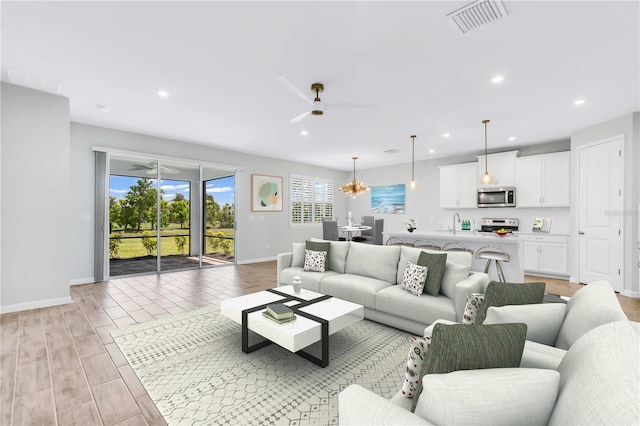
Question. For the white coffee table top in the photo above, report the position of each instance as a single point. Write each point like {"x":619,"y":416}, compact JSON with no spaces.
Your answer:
{"x":302,"y":332}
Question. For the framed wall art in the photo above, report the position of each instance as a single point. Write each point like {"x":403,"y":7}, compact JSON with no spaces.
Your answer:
{"x":266,"y":193}
{"x":388,"y":199}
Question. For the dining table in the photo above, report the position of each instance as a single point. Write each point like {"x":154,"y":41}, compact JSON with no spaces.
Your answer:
{"x":349,"y":231}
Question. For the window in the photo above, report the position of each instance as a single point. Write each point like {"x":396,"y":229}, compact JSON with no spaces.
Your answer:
{"x":311,"y":200}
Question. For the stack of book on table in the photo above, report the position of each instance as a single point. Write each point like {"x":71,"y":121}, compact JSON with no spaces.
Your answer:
{"x":279,"y":313}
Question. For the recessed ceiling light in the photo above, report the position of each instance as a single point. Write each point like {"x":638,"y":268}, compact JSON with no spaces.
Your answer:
{"x":102,"y":108}
{"x":163,"y":93}
{"x":512,"y":138}
{"x":579,"y":102}
{"x":445,"y":135}
{"x":431,"y":151}
{"x":497,"y":79}
{"x":304,"y":133}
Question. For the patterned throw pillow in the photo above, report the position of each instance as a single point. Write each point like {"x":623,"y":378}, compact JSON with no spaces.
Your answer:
{"x":417,"y":351}
{"x":414,"y":278}
{"x":314,"y":260}
{"x":474,"y":300}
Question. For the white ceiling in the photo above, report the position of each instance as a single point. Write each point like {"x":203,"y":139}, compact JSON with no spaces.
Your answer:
{"x":220,"y":63}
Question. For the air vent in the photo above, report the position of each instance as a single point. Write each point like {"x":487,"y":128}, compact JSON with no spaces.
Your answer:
{"x":477,"y":14}
{"x":391,"y":151}
{"x":34,"y":82}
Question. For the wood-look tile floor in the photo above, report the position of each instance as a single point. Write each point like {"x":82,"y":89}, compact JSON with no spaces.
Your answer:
{"x":59,"y":365}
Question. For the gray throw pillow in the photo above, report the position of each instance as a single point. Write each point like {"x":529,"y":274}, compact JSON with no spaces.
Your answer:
{"x":464,"y":347}
{"x":502,"y":294}
{"x":320,"y":246}
{"x":435,"y":264}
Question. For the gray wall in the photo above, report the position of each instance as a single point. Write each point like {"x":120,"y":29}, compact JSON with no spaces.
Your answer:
{"x":35,"y":199}
{"x":261,"y":236}
{"x":629,"y":126}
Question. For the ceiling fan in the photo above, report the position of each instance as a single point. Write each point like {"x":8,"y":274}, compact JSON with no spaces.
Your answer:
{"x":152,"y":168}
{"x":317,"y":106}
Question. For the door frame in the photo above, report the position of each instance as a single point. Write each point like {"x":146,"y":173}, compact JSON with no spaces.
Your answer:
{"x":620,"y":206}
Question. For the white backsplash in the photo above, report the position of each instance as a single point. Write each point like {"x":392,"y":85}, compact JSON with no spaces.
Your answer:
{"x":560,"y":219}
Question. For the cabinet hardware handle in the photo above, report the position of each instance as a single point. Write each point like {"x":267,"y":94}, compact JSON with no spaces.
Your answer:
{"x":580,"y":233}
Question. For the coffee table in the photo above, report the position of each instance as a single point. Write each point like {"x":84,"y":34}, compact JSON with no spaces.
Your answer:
{"x":317,"y":317}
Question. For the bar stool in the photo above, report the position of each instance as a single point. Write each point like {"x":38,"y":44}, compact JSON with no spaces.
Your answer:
{"x":493,"y":253}
{"x":395,"y":241}
{"x":456,"y":246}
{"x":426,"y":244}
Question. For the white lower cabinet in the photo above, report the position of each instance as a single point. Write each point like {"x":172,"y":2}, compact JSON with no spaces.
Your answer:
{"x":547,"y":254}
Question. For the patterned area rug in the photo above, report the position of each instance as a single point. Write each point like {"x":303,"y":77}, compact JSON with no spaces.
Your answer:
{"x":194,"y":370}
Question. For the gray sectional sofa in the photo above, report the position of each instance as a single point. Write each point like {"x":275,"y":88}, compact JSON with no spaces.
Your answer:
{"x":587,"y":371}
{"x":370,"y":275}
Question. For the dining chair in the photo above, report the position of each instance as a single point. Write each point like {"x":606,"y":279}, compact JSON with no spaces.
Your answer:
{"x":330,"y":230}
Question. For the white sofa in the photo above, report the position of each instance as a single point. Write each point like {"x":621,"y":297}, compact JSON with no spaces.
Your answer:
{"x":589,"y":375}
{"x":370,"y":275}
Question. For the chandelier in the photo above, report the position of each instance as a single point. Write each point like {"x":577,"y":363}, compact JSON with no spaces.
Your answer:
{"x":354,"y":188}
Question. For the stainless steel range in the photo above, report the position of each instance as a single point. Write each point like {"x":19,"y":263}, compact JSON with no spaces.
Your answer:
{"x":494,"y":224}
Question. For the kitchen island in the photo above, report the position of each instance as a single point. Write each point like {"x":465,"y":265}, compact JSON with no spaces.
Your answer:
{"x":510,"y":244}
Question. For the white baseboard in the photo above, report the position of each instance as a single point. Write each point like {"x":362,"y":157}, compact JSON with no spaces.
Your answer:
{"x":78,"y":281}
{"x":629,"y":293}
{"x":35,"y":305}
{"x":264,"y":259}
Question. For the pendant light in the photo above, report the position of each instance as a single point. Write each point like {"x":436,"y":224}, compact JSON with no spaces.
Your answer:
{"x":413,"y":162}
{"x":486,"y":178}
{"x":353,"y":188}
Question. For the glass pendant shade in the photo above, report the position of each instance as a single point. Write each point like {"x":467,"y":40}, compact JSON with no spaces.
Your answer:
{"x":354,"y":188}
{"x":486,"y":179}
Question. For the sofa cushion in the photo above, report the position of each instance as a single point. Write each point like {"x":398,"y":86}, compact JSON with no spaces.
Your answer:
{"x":297,"y":258}
{"x":462,"y":347}
{"x":310,"y":280}
{"x":600,"y":378}
{"x":503,"y":396}
{"x":412,"y":254}
{"x":380,"y":262}
{"x":425,"y":309}
{"x":537,"y":355}
{"x":501,"y":294}
{"x":543,"y":319}
{"x":453,"y":274}
{"x":355,"y":288}
{"x":436,"y":264}
{"x":591,"y":306}
{"x":321,"y":247}
{"x":337,"y":254}
{"x":414,"y":278}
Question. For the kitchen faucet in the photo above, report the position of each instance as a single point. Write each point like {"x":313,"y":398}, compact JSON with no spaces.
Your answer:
{"x":454,"y":222}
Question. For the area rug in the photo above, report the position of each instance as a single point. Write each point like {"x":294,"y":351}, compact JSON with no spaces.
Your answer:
{"x":195,"y":372}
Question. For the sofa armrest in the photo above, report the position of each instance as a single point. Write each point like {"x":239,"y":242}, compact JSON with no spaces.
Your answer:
{"x":283,"y":261}
{"x":359,"y":406}
{"x":476,"y":282}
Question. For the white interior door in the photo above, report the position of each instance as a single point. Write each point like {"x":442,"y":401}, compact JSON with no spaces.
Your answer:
{"x":600,"y":207}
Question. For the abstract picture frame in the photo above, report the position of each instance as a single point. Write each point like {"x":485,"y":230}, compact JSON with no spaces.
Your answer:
{"x":266,"y":193}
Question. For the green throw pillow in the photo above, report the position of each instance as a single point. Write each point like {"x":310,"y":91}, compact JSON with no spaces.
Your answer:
{"x":472,"y":347}
{"x":502,"y":294}
{"x":320,"y":246}
{"x":435,"y":264}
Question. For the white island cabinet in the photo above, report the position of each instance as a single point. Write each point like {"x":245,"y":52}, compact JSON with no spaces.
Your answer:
{"x":511,"y":244}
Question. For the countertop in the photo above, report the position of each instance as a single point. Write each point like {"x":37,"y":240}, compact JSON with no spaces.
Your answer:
{"x":485,"y":237}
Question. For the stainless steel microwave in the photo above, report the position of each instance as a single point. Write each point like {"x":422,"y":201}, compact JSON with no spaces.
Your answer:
{"x":497,"y":197}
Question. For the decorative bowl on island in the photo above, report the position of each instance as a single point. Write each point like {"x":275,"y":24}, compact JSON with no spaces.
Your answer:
{"x":501,"y":232}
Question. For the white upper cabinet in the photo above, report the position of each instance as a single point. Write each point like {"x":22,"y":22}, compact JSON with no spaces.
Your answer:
{"x":543,"y":180}
{"x":458,"y":189}
{"x":501,"y":166}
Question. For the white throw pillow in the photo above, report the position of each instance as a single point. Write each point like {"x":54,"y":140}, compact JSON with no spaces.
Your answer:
{"x":543,"y":319}
{"x":314,"y":260}
{"x":414,"y":278}
{"x":415,"y":359}
{"x":495,"y":396}
{"x":474,"y":300}
{"x":297,"y":258}
{"x":453,"y":274}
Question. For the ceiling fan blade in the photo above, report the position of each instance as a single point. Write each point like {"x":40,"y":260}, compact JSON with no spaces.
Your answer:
{"x":334,"y":105}
{"x":300,"y":117}
{"x":293,"y":89}
{"x":140,"y":167}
